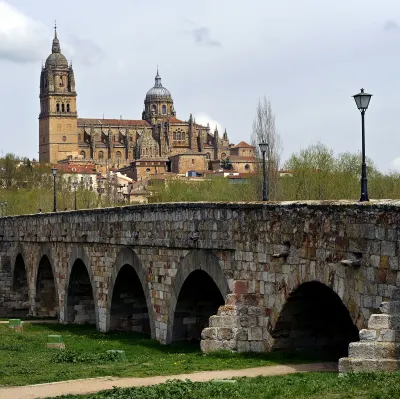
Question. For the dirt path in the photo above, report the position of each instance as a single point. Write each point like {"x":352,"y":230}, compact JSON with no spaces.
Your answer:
{"x":91,"y":385}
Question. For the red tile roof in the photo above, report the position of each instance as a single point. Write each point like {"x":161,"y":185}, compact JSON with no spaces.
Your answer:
{"x":243,"y":144}
{"x":80,"y":169}
{"x":112,"y":122}
{"x":175,"y":120}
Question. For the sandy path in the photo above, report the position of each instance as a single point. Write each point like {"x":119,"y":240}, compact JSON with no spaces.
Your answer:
{"x":90,"y":385}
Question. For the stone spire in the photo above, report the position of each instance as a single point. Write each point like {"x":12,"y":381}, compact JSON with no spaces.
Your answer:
{"x":55,"y":48}
{"x":158,"y":80}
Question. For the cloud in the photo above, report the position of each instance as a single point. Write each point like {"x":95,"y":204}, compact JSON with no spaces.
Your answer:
{"x":395,"y":164}
{"x":202,"y":37}
{"x":202,"y":119}
{"x":84,"y":51}
{"x":390,"y":25}
{"x":22,"y":39}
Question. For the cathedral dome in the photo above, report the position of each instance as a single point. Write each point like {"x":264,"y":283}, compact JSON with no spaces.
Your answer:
{"x":158,"y":92}
{"x":56,"y":59}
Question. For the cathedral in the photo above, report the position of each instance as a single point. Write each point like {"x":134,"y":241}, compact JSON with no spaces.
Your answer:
{"x":158,"y":139}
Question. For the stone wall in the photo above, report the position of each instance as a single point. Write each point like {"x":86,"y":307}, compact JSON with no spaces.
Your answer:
{"x":257,"y":256}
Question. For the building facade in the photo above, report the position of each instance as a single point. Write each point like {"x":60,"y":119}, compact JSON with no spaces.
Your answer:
{"x":117,"y":142}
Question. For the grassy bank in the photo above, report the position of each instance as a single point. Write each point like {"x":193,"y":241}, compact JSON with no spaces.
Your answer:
{"x":295,"y":386}
{"x":24,"y":358}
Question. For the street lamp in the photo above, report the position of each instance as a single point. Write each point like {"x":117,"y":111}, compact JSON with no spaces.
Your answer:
{"x":264,"y":149}
{"x":362,"y":101}
{"x":75,"y":183}
{"x":54,"y":170}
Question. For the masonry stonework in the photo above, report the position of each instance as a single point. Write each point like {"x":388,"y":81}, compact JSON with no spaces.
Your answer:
{"x":243,"y":277}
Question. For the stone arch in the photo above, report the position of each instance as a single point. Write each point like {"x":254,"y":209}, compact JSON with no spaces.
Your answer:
{"x":196,"y":260}
{"x":314,"y":319}
{"x":46,"y":299}
{"x":128,"y":257}
{"x":80,"y":260}
{"x":20,"y":284}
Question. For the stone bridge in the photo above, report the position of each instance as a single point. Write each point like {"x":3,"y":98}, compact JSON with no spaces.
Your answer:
{"x":238,"y":276}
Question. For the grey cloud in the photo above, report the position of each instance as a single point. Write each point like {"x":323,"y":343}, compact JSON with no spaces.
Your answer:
{"x":202,"y":37}
{"x":390,"y":25}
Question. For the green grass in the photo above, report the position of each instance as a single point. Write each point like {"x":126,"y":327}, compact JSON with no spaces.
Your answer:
{"x":295,"y":386}
{"x":24,"y":358}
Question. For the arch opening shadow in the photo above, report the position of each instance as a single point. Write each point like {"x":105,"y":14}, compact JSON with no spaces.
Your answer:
{"x":315,"y":321}
{"x":46,"y":295}
{"x":80,"y":300}
{"x":20,"y":290}
{"x":128,"y":305}
{"x":198,"y":299}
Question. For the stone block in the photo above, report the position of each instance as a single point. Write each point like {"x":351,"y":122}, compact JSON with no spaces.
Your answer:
{"x":391,"y":307}
{"x":374,"y":350}
{"x":389,"y":336}
{"x":349,"y":365}
{"x":384,"y":321}
{"x":255,"y":334}
{"x":257,"y":346}
{"x":243,"y":346}
{"x":221,"y":321}
{"x":207,"y":346}
{"x":224,"y":334}
{"x":209,"y":333}
{"x":367,"y":335}
{"x":240,"y":287}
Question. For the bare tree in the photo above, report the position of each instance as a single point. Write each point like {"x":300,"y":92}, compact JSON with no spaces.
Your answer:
{"x":264,"y":130}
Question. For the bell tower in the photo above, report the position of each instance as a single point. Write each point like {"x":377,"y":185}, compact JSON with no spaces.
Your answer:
{"x":58,"y":118}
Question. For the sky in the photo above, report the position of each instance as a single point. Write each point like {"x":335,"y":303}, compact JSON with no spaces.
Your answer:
{"x":217,"y":58}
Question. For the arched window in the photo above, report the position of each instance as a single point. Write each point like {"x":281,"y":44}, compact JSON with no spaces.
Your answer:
{"x":208,"y":155}
{"x":223,"y":155}
{"x":247,"y":166}
{"x":62,"y":108}
{"x":67,"y":107}
{"x":101,"y":155}
{"x":183,"y":136}
{"x":174,"y":136}
{"x":178,"y":136}
{"x":58,"y":107}
{"x":118,"y":154}
{"x":192,"y":161}
{"x":83,"y":154}
{"x":61,"y":81}
{"x":164,"y":109}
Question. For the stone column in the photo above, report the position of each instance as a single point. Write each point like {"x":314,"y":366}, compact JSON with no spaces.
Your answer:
{"x":379,"y":346}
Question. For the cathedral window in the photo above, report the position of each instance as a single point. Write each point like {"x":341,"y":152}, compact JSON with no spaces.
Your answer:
{"x":83,"y":154}
{"x":101,"y":155}
{"x":58,"y":107}
{"x":164,"y":109}
{"x":67,"y":107}
{"x":62,"y":107}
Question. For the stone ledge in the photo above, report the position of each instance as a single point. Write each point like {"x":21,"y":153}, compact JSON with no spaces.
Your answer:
{"x":349,"y":365}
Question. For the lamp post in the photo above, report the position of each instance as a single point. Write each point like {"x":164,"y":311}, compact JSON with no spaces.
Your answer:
{"x":75,"y":183}
{"x":362,"y":101}
{"x":54,"y":171}
{"x":264,"y":149}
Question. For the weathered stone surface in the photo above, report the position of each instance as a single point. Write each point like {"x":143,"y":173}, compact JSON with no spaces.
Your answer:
{"x":234,"y":244}
{"x":384,"y":321}
{"x":367,"y":335}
